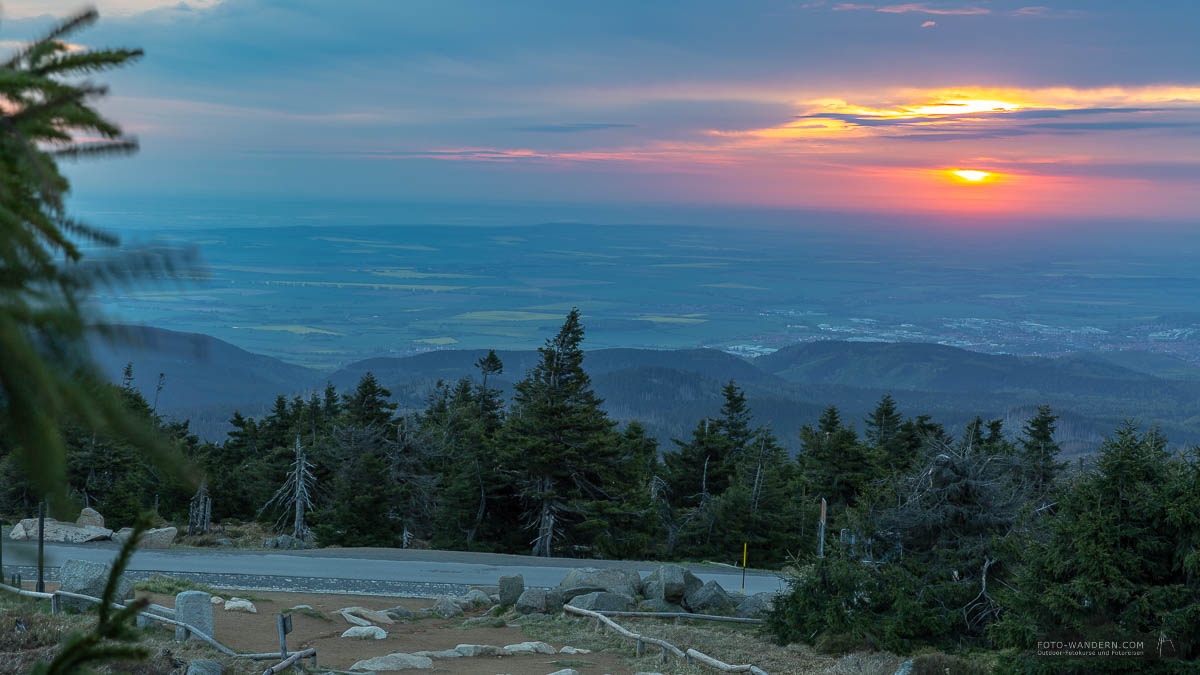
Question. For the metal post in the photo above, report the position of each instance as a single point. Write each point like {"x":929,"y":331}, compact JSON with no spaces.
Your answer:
{"x":744,"y":546}
{"x":41,"y":583}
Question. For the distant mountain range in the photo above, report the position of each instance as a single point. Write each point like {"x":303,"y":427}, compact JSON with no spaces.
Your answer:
{"x":206,"y":379}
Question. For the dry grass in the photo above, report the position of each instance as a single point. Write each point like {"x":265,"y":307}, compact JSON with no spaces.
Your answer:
{"x":731,"y":643}
{"x":29,"y":634}
{"x":243,"y":535}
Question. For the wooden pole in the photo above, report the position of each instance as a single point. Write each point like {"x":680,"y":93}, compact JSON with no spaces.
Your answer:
{"x":821,"y":532}
{"x":289,"y":661}
{"x":41,"y":582}
{"x":744,"y":547}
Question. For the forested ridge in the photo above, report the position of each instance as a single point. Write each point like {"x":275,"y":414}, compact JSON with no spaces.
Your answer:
{"x":984,"y":539}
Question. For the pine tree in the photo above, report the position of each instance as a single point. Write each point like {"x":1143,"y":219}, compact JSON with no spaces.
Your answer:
{"x":834,"y":462}
{"x":1039,"y":451}
{"x":559,"y":444}
{"x":368,"y":405}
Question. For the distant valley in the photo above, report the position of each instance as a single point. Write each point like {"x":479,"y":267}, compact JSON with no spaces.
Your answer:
{"x":205,"y":379}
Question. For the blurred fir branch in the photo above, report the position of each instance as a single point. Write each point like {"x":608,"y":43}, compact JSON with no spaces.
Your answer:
{"x":115,"y":630}
{"x":46,"y":376}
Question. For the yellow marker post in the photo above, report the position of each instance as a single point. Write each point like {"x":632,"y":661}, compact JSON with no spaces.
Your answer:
{"x":743,"y":568}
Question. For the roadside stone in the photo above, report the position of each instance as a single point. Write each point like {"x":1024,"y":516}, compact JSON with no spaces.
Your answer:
{"x":565,"y":671}
{"x":511,"y":588}
{"x":574,"y":650}
{"x":485,"y":588}
{"x":240,"y":605}
{"x":159,"y":537}
{"x":356,"y":620}
{"x":89,"y":516}
{"x":671,"y":583}
{"x":365,"y":633}
{"x":534,"y":600}
{"x":400,"y":613}
{"x":89,"y":578}
{"x":657,"y":605}
{"x":446,"y":608}
{"x":530,"y":648}
{"x":205,"y":667}
{"x":299,"y":607}
{"x":473,"y":599}
{"x":217,"y":600}
{"x":370,"y":615}
{"x":122,"y":535}
{"x":755,"y":605}
{"x":709,"y":598}
{"x":194,"y":608}
{"x":584,"y":580}
{"x":479,"y":650}
{"x":603,"y":601}
{"x":397,"y":661}
{"x":287,"y":542}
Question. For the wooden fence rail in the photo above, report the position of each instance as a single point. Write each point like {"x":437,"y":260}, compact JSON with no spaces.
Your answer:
{"x":690,"y":656}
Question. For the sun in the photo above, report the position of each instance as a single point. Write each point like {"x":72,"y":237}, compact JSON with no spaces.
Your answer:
{"x":972,"y":176}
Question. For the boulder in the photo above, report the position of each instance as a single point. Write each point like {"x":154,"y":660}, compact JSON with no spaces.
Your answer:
{"x":446,"y":608}
{"x":479,"y":650}
{"x":365,"y":633}
{"x":565,"y":671}
{"x":474,"y":599}
{"x":194,"y":608}
{"x":55,"y":531}
{"x":574,"y":650}
{"x":400,"y":613}
{"x":538,"y":600}
{"x":511,"y":588}
{"x":299,"y":607}
{"x":656,"y":605}
{"x":368,"y":614}
{"x":530,"y":648}
{"x":217,"y":600}
{"x":89,"y":578}
{"x":755,"y":605}
{"x":90,"y":517}
{"x":205,"y":667}
{"x":394,"y":662}
{"x":240,"y":605}
{"x":122,"y":535}
{"x":159,"y":537}
{"x":671,"y":583}
{"x":709,"y":598}
{"x":590,"y":579}
{"x":602,"y":601}
{"x":356,"y":620}
{"x":440,"y":654}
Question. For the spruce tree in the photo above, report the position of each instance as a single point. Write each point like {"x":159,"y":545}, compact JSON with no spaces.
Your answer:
{"x":559,"y":445}
{"x":1039,"y":452}
{"x":369,"y":404}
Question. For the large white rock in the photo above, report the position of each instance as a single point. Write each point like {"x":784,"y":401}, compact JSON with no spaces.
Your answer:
{"x":240,"y":605}
{"x":580,"y":581}
{"x":566,"y":671}
{"x":446,"y":608}
{"x":369,"y":615}
{"x":530,"y":648}
{"x":574,"y":650}
{"x":91,"y":517}
{"x":59,"y":532}
{"x":474,"y":598}
{"x":365,"y":633}
{"x":160,"y":537}
{"x":356,"y":620}
{"x":395,"y":662}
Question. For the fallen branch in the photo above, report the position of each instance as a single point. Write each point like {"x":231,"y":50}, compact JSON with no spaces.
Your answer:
{"x":290,"y":661}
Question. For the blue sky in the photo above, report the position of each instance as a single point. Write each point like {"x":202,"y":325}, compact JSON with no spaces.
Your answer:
{"x":1072,"y":109}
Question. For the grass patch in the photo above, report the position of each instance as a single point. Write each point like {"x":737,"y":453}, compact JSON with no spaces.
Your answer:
{"x":501,"y":315}
{"x":165,"y":585}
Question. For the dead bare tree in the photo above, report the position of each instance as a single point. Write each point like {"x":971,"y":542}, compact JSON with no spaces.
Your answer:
{"x":295,"y":495}
{"x":200,"y":510}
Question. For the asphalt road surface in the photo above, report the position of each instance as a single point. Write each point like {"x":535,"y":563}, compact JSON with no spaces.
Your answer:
{"x":374,"y":571}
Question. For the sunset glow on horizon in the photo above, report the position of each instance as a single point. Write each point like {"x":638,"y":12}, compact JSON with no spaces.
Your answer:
{"x":971,"y":176}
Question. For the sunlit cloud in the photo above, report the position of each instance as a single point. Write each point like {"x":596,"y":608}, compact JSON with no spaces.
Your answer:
{"x":23,"y":9}
{"x":912,"y":7}
{"x":929,"y":24}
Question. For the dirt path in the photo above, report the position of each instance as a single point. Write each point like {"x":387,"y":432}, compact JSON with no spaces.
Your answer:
{"x":257,"y":633}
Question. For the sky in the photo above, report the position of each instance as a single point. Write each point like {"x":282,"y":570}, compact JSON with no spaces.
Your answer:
{"x":1072,"y":109}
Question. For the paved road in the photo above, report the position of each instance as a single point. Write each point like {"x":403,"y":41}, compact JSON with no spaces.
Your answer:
{"x":395,"y":572}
